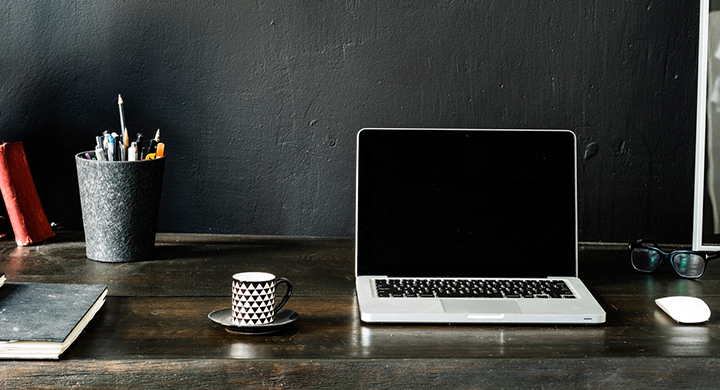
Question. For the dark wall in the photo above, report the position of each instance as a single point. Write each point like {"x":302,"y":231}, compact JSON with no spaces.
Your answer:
{"x":259,"y":101}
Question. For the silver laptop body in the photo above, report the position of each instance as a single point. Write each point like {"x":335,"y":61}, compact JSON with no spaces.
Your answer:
{"x":465,"y":211}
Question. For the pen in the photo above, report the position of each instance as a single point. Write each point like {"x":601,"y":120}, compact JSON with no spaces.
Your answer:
{"x":153,"y":144}
{"x":117,"y":145}
{"x":105,"y":141}
{"x":99,"y":150}
{"x":140,"y":148}
{"x":105,"y":138}
{"x":132,"y":152}
{"x":111,"y":148}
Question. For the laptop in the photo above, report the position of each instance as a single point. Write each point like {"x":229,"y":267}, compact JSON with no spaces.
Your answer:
{"x":469,"y":226}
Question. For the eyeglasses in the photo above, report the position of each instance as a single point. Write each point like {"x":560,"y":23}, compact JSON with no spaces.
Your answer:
{"x":646,"y":256}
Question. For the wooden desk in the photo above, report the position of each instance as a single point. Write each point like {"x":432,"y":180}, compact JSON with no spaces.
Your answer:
{"x":153,"y":330}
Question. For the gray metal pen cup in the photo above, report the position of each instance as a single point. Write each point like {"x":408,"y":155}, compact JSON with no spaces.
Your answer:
{"x":120,"y":201}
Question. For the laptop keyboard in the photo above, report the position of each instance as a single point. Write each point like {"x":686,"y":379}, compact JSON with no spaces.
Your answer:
{"x":472,"y":288}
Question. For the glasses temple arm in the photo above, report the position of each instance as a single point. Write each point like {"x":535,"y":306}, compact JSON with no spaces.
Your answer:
{"x":712,"y":255}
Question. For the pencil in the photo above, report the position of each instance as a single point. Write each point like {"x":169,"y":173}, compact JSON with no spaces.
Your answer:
{"x":122,"y":113}
{"x":126,"y":143}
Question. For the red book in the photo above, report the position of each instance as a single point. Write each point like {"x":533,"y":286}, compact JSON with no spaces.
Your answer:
{"x":27,"y":216}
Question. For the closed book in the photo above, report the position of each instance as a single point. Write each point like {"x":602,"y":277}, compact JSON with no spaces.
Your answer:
{"x":25,"y":212}
{"x":41,"y":321}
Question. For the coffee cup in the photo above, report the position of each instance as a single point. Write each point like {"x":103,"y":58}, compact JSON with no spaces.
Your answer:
{"x":253,"y":298}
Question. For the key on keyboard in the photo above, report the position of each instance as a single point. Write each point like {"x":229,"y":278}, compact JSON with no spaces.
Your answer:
{"x":475,"y":288}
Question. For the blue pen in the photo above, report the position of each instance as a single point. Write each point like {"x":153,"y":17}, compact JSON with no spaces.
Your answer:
{"x":117,"y":139}
{"x":111,"y":148}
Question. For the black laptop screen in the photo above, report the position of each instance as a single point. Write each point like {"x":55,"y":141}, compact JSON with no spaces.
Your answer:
{"x":466,"y":203}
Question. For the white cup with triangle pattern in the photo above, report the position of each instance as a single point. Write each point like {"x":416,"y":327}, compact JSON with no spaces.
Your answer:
{"x":253,"y":298}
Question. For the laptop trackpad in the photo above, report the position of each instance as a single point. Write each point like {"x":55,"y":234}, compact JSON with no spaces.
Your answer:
{"x":504,"y":306}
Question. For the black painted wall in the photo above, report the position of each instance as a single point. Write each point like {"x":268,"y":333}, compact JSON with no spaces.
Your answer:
{"x":259,"y":101}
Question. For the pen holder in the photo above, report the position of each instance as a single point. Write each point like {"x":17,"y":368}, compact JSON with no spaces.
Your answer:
{"x":120,"y":201}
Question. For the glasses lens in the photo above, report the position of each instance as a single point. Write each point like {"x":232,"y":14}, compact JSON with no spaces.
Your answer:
{"x":644,"y":259}
{"x":689,"y":265}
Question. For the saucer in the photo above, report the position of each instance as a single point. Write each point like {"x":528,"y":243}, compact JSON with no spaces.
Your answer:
{"x":224,"y":317}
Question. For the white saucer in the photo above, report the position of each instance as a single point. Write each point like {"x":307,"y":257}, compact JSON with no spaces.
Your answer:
{"x":224,"y":317}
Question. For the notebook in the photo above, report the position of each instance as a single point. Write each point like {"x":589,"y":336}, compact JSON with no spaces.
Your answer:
{"x":41,"y":321}
{"x":469,"y":226}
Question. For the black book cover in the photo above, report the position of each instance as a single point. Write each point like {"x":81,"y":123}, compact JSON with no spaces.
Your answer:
{"x":45,"y":313}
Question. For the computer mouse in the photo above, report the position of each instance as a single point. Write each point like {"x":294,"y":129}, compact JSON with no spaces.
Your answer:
{"x":686,"y":310}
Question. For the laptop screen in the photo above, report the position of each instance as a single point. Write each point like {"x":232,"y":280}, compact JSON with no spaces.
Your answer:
{"x":466,"y":203}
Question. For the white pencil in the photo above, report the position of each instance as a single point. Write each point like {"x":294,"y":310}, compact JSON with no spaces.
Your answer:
{"x":122,"y":114}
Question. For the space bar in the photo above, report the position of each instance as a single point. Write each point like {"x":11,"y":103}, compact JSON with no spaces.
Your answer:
{"x":479,"y":295}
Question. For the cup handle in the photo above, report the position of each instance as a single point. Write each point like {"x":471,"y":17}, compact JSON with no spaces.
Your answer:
{"x":288,"y":292}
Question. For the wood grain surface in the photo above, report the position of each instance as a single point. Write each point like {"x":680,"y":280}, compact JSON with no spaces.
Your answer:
{"x":154,"y":331}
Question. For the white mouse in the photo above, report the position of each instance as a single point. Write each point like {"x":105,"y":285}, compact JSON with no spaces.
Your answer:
{"x":687,"y":310}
